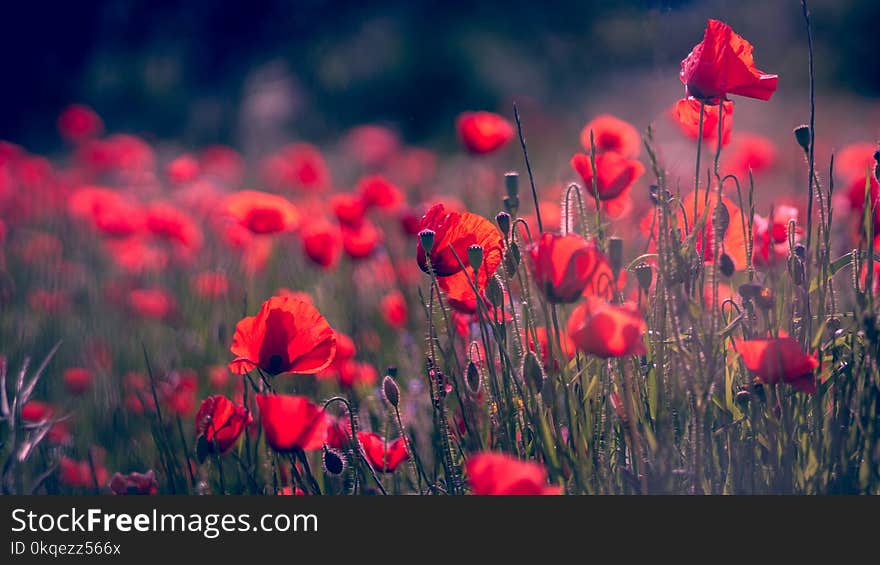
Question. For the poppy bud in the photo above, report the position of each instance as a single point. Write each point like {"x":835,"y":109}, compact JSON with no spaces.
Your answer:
{"x":749,"y":290}
{"x":743,"y":396}
{"x":644,"y":274}
{"x":495,"y":291}
{"x":532,"y":371}
{"x":475,"y":256}
{"x":721,"y":219}
{"x":503,"y":221}
{"x":802,"y":135}
{"x":800,"y":251}
{"x":390,"y":389}
{"x":765,"y":298}
{"x":426,"y":237}
{"x":655,"y":194}
{"x":334,"y":463}
{"x":615,"y":254}
{"x":725,"y":265}
{"x":511,"y":185}
{"x":511,"y":259}
{"x":472,"y":378}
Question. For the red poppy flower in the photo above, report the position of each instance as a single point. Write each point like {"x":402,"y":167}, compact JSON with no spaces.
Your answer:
{"x":83,"y":474}
{"x":222,"y":163}
{"x":686,"y":114}
{"x":360,"y":241}
{"x":379,"y":192}
{"x":221,"y":422}
{"x":178,"y":390}
{"x":856,"y":197}
{"x":136,"y":254}
{"x":292,"y":422}
{"x":499,"y":474}
{"x":394,"y":310}
{"x":771,"y":236}
{"x":612,"y":134}
{"x":750,"y":152}
{"x":134,"y":483}
{"x":353,"y":373}
{"x":349,"y":209}
{"x":607,"y":330}
{"x":615,"y":174}
{"x":167,"y":221}
{"x":733,"y":243}
{"x":288,"y":335}
{"x":385,"y":456}
{"x":483,"y":132}
{"x":261,"y":212}
{"x":567,"y":266}
{"x":78,"y":122}
{"x":855,"y":159}
{"x":152,"y":303}
{"x":299,"y":166}
{"x":35,"y":411}
{"x":183,"y":169}
{"x":338,"y":431}
{"x":568,"y":346}
{"x":782,"y":359}
{"x":322,"y":243}
{"x":458,"y":231}
{"x":210,"y":284}
{"x":722,"y":64}
{"x":77,"y":380}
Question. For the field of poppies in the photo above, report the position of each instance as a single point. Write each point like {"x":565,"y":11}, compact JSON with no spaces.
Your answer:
{"x":370,"y":317}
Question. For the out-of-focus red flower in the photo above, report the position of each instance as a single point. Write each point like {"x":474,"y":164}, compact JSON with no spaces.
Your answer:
{"x":134,"y":483}
{"x":298,"y":166}
{"x":349,"y":209}
{"x":210,"y":285}
{"x":136,"y":254}
{"x":79,"y":122}
{"x":291,"y":491}
{"x":686,"y":114}
{"x":612,"y":134}
{"x":722,"y":64}
{"x":568,"y":266}
{"x":178,"y":390}
{"x":771,"y":236}
{"x":83,"y":474}
{"x":607,"y":330}
{"x":77,"y":380}
{"x":749,"y":152}
{"x":152,"y":303}
{"x":417,"y":166}
{"x":218,"y":376}
{"x":48,"y":302}
{"x":34,"y":411}
{"x":568,"y":347}
{"x":863,"y":274}
{"x":372,"y":145}
{"x":394,"y":310}
{"x":109,"y":212}
{"x":288,"y":335}
{"x":262,"y":212}
{"x":483,"y":132}
{"x":322,"y":243}
{"x":169,"y":222}
{"x":385,"y":456}
{"x":615,"y":174}
{"x":183,"y":169}
{"x":491,"y":473}
{"x":360,"y":241}
{"x":338,"y":431}
{"x":353,"y":373}
{"x":856,"y":196}
{"x":222,"y":163}
{"x":59,"y":433}
{"x":855,"y":159}
{"x":292,"y":422}
{"x":457,"y":231}
{"x":377,"y":191}
{"x":221,"y":422}
{"x":782,"y":359}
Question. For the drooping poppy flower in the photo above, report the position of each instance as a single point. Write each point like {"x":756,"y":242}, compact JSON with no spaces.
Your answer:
{"x":615,"y":174}
{"x":292,"y":422}
{"x":491,"y":473}
{"x":734,"y":239}
{"x":221,"y":422}
{"x":152,"y":303}
{"x":607,"y":330}
{"x":379,"y":192}
{"x":360,"y":241}
{"x":722,"y":64}
{"x":568,"y":347}
{"x":612,"y":134}
{"x":210,"y":285}
{"x":567,"y":266}
{"x":77,"y":380}
{"x":322,"y":243}
{"x":394,"y":310}
{"x":262,"y":212}
{"x":457,"y":231}
{"x":749,"y":152}
{"x":781,"y":359}
{"x":771,"y":236}
{"x":298,"y":166}
{"x":183,"y":169}
{"x":134,"y":483}
{"x":686,"y":114}
{"x":483,"y":132}
{"x":78,"y":122}
{"x":288,"y":335}
{"x":385,"y":456}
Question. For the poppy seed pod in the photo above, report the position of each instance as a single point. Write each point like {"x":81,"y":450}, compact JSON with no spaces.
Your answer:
{"x":334,"y":463}
{"x":802,"y":135}
{"x":615,"y":254}
{"x":532,"y":371}
{"x":721,"y":219}
{"x":472,"y":378}
{"x":725,"y":265}
{"x":390,"y":390}
{"x":644,"y":275}
{"x":511,"y":259}
{"x":475,"y":257}
{"x":426,"y":237}
{"x":503,"y":221}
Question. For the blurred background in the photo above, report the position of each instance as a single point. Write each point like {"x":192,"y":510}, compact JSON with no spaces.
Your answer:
{"x":264,"y":71}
